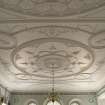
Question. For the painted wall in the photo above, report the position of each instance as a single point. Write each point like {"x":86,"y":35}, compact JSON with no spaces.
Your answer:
{"x":101,"y":98}
{"x":23,"y":99}
{"x":101,"y":101}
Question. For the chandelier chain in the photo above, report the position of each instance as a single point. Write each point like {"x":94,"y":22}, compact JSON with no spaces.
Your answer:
{"x":53,"y":81}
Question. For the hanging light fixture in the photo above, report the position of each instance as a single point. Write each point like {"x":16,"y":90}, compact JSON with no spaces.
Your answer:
{"x":53,"y":97}
{"x":3,"y":101}
{"x":52,"y":94}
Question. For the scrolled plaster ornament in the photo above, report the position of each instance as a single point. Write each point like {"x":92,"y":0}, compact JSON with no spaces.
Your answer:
{"x":97,"y":41}
{"x":7,"y":41}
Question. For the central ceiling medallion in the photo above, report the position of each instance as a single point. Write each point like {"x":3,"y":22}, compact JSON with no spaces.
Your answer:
{"x":46,"y":8}
{"x":38,"y":57}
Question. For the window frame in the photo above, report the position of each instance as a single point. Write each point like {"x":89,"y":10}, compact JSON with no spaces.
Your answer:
{"x":47,"y":101}
{"x":75,"y":102}
{"x":31,"y":101}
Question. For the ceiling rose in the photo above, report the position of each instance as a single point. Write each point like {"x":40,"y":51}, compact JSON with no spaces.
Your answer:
{"x":38,"y":57}
{"x":48,"y":8}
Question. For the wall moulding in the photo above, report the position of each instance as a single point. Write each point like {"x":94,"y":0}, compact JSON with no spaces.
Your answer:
{"x":81,"y":20}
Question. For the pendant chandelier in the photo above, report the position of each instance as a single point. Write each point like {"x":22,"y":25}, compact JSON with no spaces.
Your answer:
{"x":53,"y":97}
{"x":3,"y":98}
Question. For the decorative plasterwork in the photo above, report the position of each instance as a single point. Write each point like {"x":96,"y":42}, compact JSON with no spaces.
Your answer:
{"x":41,"y":49}
{"x":7,"y":41}
{"x":98,"y":41}
{"x":68,"y":50}
{"x":40,"y":56}
{"x":29,"y":50}
{"x":51,"y":8}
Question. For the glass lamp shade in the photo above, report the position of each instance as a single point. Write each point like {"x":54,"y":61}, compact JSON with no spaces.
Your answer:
{"x":53,"y":103}
{"x":3,"y":103}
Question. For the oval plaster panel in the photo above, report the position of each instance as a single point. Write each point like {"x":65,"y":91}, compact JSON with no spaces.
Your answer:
{"x":55,"y":38}
{"x":48,"y":8}
{"x":66,"y":57}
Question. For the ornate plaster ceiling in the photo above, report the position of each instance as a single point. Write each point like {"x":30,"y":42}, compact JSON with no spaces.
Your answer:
{"x":29,"y":55}
{"x":29,"y":50}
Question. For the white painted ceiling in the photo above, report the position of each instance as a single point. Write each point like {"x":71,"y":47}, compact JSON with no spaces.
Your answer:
{"x":66,"y":35}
